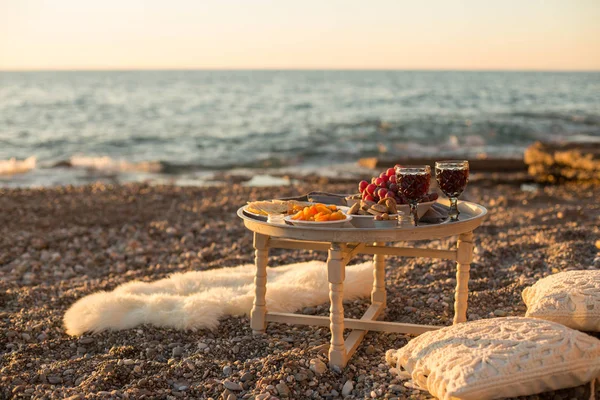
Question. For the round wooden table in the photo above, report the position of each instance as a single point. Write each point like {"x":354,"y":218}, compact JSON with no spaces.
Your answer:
{"x":342,"y":244}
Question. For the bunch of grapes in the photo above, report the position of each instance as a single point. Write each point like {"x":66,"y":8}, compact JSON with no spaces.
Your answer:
{"x":385,"y":186}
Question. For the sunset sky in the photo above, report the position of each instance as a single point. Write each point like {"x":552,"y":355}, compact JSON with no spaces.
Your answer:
{"x":301,"y":34}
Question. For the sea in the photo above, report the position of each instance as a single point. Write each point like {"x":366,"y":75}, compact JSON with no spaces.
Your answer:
{"x":186,"y":127}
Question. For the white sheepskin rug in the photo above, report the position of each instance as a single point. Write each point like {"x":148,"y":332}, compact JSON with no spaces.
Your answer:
{"x":196,"y":300}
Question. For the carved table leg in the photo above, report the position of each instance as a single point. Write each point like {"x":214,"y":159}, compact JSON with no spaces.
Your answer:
{"x":464,"y":257}
{"x":259,"y":309}
{"x":336,"y":272}
{"x":378,"y":295}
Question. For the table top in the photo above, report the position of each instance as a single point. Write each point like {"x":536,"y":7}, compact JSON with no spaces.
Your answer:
{"x":471,"y":216}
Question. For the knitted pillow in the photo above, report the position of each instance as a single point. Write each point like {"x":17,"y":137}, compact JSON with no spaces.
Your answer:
{"x":571,"y":298}
{"x":497,"y":358}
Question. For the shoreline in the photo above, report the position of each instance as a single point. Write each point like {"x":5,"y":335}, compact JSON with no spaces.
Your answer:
{"x":307,"y":174}
{"x":545,"y":162}
{"x":59,"y":244}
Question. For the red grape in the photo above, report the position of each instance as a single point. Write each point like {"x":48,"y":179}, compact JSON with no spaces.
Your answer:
{"x":392,"y":179}
{"x":390,"y":172}
{"x":393,"y":187}
{"x":382,"y":192}
{"x":379,"y":181}
{"x":370,"y":189}
{"x":362,"y":186}
{"x":384,"y":177}
{"x":368,"y":197}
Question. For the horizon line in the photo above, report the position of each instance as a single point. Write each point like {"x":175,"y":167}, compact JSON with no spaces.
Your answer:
{"x":168,"y":69}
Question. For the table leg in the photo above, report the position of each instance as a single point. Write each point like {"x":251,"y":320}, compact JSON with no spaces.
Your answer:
{"x":336,"y":272}
{"x":258,"y":321}
{"x":464,"y":257}
{"x":378,"y":295}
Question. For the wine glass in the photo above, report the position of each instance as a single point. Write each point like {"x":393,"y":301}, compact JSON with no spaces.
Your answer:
{"x":452,"y":178}
{"x":413,"y":182}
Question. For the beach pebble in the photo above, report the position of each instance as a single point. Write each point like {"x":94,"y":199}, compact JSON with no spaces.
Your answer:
{"x":232,"y":385}
{"x":347,"y":388}
{"x":474,"y":317}
{"x":42,"y":336}
{"x":54,"y":379}
{"x":202,"y":345}
{"x":300,"y":377}
{"x":26,"y":336}
{"x":150,"y":353}
{"x":282,"y":389}
{"x":248,"y":376}
{"x":177,"y":351}
{"x":370,"y":349}
{"x":226,"y":395}
{"x":317,"y":366}
{"x":227,"y":370}
{"x":86,"y":340}
{"x":396,"y":388}
{"x":500,"y":313}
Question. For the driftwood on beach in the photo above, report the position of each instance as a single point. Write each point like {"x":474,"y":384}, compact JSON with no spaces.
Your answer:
{"x":557,"y":162}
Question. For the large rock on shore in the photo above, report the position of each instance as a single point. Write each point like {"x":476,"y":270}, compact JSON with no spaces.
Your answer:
{"x":558,"y":162}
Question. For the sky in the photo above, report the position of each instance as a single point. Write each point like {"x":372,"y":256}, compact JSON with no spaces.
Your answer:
{"x":300,"y":34}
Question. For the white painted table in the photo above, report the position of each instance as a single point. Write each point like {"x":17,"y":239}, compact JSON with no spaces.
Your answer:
{"x":342,"y":244}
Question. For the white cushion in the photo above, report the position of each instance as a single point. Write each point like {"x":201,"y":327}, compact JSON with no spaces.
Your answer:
{"x":571,"y":298}
{"x":497,"y":358}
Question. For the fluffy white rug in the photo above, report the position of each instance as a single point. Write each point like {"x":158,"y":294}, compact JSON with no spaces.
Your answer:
{"x":195,"y":300}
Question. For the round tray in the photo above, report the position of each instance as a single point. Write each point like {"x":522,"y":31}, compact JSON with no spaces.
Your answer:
{"x":471,"y":216}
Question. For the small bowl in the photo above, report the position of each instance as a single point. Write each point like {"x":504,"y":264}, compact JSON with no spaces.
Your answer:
{"x":368,"y":221}
{"x":319,"y":224}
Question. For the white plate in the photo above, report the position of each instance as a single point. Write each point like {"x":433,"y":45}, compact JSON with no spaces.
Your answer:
{"x":319,"y":224}
{"x":253,"y":214}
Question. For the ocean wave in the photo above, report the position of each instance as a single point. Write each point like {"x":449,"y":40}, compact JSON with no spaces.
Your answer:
{"x":107,"y":164}
{"x":14,"y":166}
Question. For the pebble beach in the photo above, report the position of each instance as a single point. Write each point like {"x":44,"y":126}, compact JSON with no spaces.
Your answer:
{"x":62,"y":243}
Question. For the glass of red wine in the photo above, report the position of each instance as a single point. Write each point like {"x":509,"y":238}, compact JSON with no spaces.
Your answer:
{"x":452,"y":178}
{"x":413,"y":183}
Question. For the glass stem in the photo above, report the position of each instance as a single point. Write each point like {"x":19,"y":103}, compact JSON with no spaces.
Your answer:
{"x":413,"y":210}
{"x":454,"y":209}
